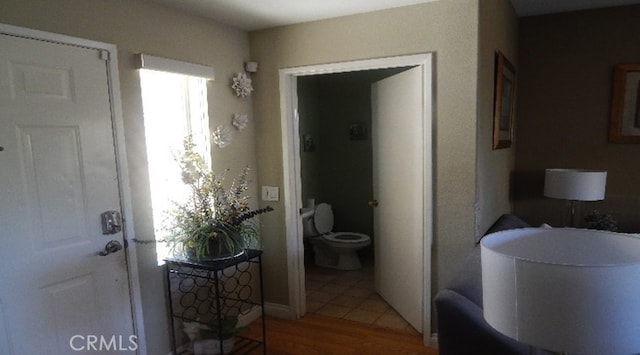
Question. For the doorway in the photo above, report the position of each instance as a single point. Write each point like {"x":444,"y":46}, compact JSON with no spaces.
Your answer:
{"x":336,"y":119}
{"x":293,"y":173}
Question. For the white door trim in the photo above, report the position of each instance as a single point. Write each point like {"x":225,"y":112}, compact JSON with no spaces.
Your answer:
{"x":291,"y":170}
{"x":121,"y":159}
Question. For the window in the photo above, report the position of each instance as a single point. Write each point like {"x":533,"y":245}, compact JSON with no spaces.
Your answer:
{"x":174,"y":106}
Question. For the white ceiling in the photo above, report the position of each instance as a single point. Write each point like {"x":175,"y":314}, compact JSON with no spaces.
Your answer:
{"x":259,"y":14}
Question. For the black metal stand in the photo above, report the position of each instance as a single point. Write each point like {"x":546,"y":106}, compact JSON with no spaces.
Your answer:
{"x":211,"y":291}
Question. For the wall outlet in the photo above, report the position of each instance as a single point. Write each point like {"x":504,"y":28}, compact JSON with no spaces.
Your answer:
{"x":270,"y":193}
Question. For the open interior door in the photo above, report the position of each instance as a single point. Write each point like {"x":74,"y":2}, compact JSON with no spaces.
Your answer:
{"x":398,"y":183}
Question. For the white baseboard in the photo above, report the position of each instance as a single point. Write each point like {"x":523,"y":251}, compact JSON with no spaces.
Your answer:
{"x":277,"y":310}
{"x":271,"y":309}
{"x":248,"y":318}
{"x":434,"y":341}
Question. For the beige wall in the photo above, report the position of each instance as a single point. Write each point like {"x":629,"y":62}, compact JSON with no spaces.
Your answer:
{"x":566,"y":66}
{"x":136,"y":26}
{"x":498,"y":31}
{"x":447,"y":28}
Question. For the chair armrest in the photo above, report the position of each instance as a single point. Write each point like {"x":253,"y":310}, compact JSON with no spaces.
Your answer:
{"x":463,"y":330}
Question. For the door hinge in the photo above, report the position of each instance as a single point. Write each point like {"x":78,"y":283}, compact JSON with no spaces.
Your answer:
{"x":104,"y":55}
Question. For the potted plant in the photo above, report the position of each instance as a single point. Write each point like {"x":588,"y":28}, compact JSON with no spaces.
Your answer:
{"x":219,"y":330}
{"x":601,"y":221}
{"x":214,"y":222}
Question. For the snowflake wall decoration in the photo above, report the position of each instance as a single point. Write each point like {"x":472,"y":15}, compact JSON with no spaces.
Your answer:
{"x":240,"y":121}
{"x":221,"y":136}
{"x":242,"y":85}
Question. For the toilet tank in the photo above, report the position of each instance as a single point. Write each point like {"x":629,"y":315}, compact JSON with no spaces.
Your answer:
{"x":318,"y":220}
{"x":308,"y":225}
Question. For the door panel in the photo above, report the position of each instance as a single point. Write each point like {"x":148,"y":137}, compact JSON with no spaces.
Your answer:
{"x":33,"y":83}
{"x":58,"y":173}
{"x":71,"y":301}
{"x":398,"y":159}
{"x":54,"y":188}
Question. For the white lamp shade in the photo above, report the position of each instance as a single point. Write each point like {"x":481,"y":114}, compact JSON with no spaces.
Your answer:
{"x":573,"y":184}
{"x":566,"y":290}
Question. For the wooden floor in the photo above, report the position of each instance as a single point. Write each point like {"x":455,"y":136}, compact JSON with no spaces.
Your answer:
{"x":317,"y":334}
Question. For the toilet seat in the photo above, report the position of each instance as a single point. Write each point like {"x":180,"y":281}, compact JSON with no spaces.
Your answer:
{"x":323,"y":223}
{"x":337,"y":250}
{"x":323,"y":218}
{"x":346,"y":237}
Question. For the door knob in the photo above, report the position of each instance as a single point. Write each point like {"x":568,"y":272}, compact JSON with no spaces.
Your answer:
{"x":373,"y":203}
{"x":111,"y":247}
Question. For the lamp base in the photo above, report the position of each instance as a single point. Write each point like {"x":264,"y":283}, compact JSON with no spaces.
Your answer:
{"x":572,"y":218}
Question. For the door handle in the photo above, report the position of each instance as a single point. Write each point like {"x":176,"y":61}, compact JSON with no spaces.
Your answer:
{"x":112,"y":246}
{"x":373,"y":203}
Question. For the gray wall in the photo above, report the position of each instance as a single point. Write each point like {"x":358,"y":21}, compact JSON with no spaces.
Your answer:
{"x":498,"y":31}
{"x":564,"y":97}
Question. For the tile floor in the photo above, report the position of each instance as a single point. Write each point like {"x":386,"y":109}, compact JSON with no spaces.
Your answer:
{"x":350,"y":295}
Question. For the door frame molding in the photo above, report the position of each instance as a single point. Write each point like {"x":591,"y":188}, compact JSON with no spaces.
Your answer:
{"x":292,"y":185}
{"x":121,"y":159}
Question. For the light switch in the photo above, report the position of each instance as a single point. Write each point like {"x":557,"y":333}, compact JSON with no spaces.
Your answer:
{"x":270,"y":193}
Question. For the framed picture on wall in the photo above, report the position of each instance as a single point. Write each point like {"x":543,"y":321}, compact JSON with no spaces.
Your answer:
{"x":357,"y":132}
{"x":625,"y":104}
{"x":503,"y":102}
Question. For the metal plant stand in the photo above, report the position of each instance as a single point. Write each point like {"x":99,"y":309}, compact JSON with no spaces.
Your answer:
{"x":206,"y":292}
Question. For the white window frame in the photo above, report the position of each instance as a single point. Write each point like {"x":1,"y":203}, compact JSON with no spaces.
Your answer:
{"x":179,"y":108}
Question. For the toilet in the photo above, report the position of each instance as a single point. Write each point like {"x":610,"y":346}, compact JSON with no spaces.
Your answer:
{"x":335,"y":250}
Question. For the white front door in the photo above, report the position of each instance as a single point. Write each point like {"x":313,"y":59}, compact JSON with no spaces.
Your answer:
{"x":57,"y":175}
{"x":398,"y":184}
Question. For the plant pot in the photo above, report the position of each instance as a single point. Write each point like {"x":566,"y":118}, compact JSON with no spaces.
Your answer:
{"x":216,"y":242}
{"x":217,"y":251}
{"x":221,"y":251}
{"x":212,"y":346}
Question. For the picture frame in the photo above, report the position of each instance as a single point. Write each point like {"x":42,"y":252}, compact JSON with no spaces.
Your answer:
{"x":503,"y":102}
{"x":357,"y":132}
{"x":624,"y":126}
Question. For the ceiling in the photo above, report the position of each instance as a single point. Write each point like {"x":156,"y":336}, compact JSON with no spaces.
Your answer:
{"x":252,"y":15}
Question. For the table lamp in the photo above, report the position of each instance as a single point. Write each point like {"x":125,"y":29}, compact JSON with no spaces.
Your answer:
{"x":565,"y":290}
{"x":575,"y":185}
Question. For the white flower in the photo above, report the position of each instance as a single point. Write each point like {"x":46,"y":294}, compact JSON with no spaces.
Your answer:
{"x":242,"y":85}
{"x":240,"y":121}
{"x":221,"y":136}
